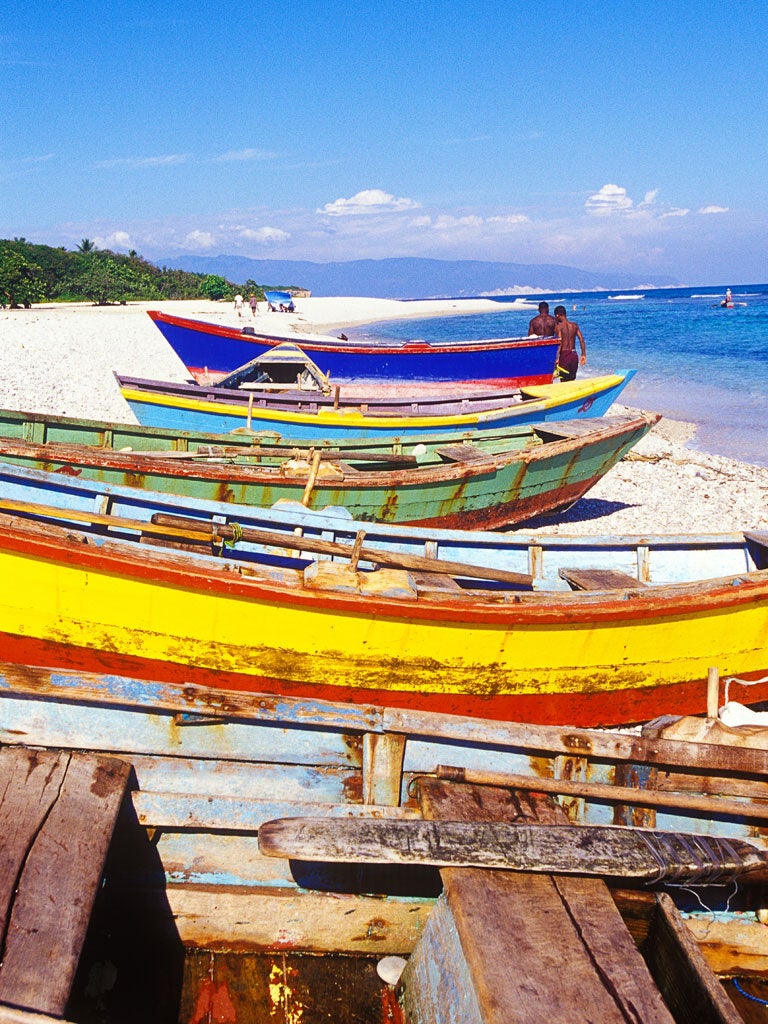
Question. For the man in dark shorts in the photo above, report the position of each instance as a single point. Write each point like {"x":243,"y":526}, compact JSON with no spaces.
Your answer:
{"x":567,"y":332}
{"x":543,"y":325}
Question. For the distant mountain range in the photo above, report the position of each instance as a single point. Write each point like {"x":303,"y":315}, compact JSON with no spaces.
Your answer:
{"x":413,"y":278}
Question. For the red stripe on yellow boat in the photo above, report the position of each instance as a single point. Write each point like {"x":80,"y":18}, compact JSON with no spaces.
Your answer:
{"x":597,"y":655}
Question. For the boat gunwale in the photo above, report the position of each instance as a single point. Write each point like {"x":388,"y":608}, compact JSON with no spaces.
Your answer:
{"x":166,"y":567}
{"x":330,"y":344}
{"x":448,"y":472}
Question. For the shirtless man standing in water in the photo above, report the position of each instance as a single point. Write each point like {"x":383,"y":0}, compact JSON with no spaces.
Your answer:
{"x":543,"y":325}
{"x":567,"y":332}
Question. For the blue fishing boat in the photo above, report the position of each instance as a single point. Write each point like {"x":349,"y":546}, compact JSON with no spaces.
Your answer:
{"x":207,"y":348}
{"x":311,"y":415}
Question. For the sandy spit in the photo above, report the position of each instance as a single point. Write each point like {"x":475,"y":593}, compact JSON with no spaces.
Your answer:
{"x":61,"y":360}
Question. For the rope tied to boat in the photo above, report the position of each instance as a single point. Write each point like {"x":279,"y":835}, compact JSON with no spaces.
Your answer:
{"x":708,"y":858}
{"x":237,"y":535}
{"x":748,"y":995}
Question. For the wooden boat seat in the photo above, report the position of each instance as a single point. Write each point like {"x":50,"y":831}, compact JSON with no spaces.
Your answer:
{"x":564,"y":429}
{"x":599,"y":579}
{"x":757,"y":542}
{"x":57,"y":813}
{"x":460,"y":452}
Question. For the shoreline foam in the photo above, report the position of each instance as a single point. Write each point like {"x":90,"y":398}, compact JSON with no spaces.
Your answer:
{"x":60,"y":359}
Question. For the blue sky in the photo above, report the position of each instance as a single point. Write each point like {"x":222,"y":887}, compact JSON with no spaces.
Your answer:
{"x":628,"y":135}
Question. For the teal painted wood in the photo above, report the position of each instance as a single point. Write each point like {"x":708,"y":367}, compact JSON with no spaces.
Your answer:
{"x":234,"y":814}
{"x":436,"y":986}
{"x":514,"y":480}
{"x":249,"y":780}
{"x":70,"y":726}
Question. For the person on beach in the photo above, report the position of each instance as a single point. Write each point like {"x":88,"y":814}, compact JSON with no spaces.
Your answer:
{"x":567,"y":332}
{"x":543,"y":325}
{"x":253,"y":304}
{"x":239,"y":304}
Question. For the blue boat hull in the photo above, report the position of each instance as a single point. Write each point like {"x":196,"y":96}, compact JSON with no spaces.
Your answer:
{"x":221,"y":417}
{"x":207,"y":348}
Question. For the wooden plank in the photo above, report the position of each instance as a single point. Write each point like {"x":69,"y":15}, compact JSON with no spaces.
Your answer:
{"x":383,"y":768}
{"x":174,"y":810}
{"x":565,"y":429}
{"x":223,"y":987}
{"x":599,"y":579}
{"x":60,"y":870}
{"x":122,"y":697}
{"x":681,"y":973}
{"x":536,"y":949}
{"x":460,"y":452}
{"x":315,"y":922}
{"x":714,"y":805}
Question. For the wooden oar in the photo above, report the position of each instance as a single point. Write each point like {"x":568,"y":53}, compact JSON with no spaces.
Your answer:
{"x":230,"y":451}
{"x":185,"y":528}
{"x":712,"y":805}
{"x":610,"y":852}
{"x":396,"y":559}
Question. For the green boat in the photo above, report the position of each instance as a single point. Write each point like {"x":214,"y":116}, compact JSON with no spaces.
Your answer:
{"x":496,"y":479}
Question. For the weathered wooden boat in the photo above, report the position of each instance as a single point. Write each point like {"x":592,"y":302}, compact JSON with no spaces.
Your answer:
{"x":509,"y":362}
{"x":193,"y":922}
{"x":494,"y":480}
{"x":392,"y":619}
{"x":309,"y":415}
{"x":45,"y":428}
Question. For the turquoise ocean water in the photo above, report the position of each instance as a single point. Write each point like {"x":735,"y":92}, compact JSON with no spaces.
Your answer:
{"x":695,"y":362}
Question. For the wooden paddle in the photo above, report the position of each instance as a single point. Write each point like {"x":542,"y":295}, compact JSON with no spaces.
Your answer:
{"x":611,"y":852}
{"x":205,"y":531}
{"x":396,"y":559}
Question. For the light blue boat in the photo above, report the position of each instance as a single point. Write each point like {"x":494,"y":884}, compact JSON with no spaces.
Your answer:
{"x":312,"y":416}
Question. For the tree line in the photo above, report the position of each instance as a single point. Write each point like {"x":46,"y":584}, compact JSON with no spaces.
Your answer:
{"x":41,"y":273}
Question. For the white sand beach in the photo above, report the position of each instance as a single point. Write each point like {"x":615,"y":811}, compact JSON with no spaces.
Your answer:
{"x":61,"y":359}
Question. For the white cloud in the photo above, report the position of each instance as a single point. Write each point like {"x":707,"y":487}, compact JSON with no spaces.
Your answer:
{"x":608,"y":200}
{"x":713,"y":209}
{"x":200,"y":239}
{"x":144,"y":161}
{"x":676,"y":211}
{"x":244,"y":154}
{"x":264,"y":235}
{"x":650,"y":197}
{"x":446,"y":220}
{"x":370,"y":200}
{"x":115,"y":240}
{"x":510,"y":220}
